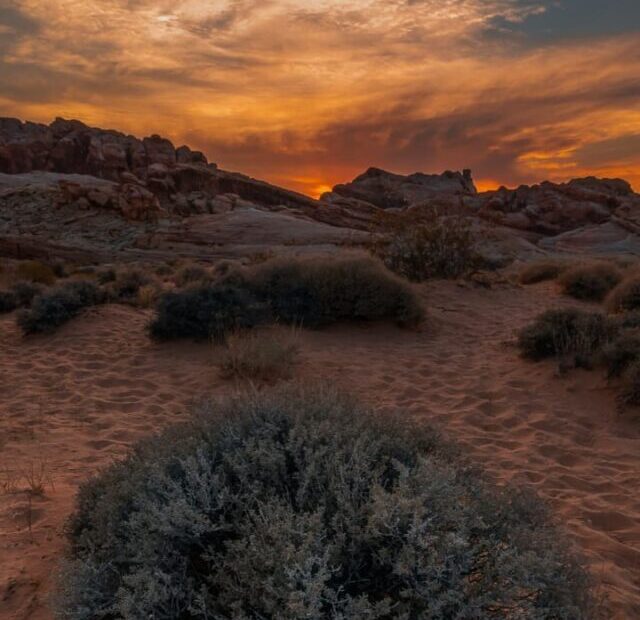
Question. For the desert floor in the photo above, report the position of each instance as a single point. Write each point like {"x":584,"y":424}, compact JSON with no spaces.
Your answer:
{"x":73,"y":401}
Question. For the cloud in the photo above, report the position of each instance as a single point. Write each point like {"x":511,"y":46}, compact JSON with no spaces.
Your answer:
{"x":308,"y":93}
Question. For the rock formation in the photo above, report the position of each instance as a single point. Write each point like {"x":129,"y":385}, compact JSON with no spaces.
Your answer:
{"x":67,"y":186}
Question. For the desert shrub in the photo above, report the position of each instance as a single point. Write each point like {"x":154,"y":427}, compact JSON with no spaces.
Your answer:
{"x":25,"y":292}
{"x":541,"y":270}
{"x":265,"y":356}
{"x":320,"y":292}
{"x":629,"y":396}
{"x":626,"y":296}
{"x":35,"y":271}
{"x":59,"y":270}
{"x":299,"y":292}
{"x":163,"y":269}
{"x":206,"y":312}
{"x":128,"y":282}
{"x":621,"y":353}
{"x":590,"y":281}
{"x":106,"y":276}
{"x":420,"y":247}
{"x":192,"y":274}
{"x":296,"y":505}
{"x":570,"y":334}
{"x":8,"y":302}
{"x":629,"y":320}
{"x":59,"y":305}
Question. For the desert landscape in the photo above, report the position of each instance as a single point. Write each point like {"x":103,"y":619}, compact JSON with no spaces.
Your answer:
{"x":81,"y":385}
{"x":316,"y":310}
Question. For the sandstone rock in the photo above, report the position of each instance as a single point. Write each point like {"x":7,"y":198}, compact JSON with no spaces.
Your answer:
{"x":387,"y":190}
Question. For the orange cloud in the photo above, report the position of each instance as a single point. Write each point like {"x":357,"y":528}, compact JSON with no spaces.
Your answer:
{"x":308,"y":93}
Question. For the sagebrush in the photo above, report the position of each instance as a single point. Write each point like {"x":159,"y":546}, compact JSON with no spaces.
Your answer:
{"x":423,"y":246}
{"x":311,"y":293}
{"x":300,"y":505}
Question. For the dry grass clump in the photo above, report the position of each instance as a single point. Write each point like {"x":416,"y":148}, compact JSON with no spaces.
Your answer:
{"x":542,"y":270}
{"x":266,"y":356}
{"x":35,"y":271}
{"x":424,"y":246}
{"x":147,"y":296}
{"x":299,"y":504}
{"x":192,"y":274}
{"x":573,"y":336}
{"x":591,"y":281}
{"x":626,"y":295}
{"x":127,"y":284}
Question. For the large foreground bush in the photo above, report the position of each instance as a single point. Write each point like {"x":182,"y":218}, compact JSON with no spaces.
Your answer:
{"x":59,"y":305}
{"x":300,"y":506}
{"x":311,"y":293}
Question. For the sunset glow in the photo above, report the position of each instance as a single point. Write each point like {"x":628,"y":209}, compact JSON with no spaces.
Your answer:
{"x":309,"y":93}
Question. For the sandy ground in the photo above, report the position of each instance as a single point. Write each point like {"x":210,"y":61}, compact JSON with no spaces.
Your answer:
{"x":74,"y":401}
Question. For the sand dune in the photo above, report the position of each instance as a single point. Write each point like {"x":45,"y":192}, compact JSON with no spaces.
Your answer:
{"x":73,"y":401}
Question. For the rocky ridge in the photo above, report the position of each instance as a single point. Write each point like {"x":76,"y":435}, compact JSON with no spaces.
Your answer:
{"x":73,"y":189}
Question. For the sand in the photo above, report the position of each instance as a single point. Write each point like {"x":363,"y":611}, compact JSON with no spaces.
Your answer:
{"x":73,"y":401}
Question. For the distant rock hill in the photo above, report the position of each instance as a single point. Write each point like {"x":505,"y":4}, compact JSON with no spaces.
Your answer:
{"x":77,"y":191}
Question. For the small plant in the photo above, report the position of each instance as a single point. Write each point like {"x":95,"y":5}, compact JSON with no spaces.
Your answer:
{"x":621,"y":353}
{"x":630,"y":395}
{"x":163,"y":270}
{"x":541,"y":270}
{"x":265,"y":357}
{"x":8,"y":302}
{"x":59,"y":305}
{"x":571,"y":334}
{"x":427,"y":246}
{"x":591,"y":281}
{"x":37,"y":475}
{"x":626,"y":296}
{"x":35,"y":271}
{"x":299,"y":504}
{"x":128,"y":282}
{"x":147,"y":296}
{"x":192,"y":274}
{"x":106,"y":276}
{"x":25,"y":292}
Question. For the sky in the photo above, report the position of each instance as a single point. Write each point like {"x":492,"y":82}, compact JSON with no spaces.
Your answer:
{"x":309,"y":93}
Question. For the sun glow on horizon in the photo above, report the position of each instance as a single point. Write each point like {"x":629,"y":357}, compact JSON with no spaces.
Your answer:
{"x":408,"y":86}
